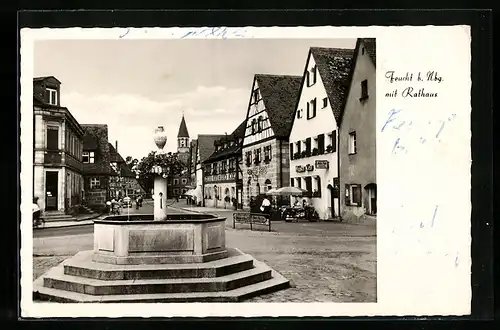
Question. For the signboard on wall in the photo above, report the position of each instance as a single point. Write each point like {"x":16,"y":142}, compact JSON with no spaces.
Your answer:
{"x":300,"y":169}
{"x":322,"y":164}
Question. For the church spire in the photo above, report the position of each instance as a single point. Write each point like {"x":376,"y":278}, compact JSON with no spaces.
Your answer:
{"x":183,"y":131}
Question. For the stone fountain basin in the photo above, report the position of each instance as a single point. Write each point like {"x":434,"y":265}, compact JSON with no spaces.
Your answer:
{"x":139,"y":239}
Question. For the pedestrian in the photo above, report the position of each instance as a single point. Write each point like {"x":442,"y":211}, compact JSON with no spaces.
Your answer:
{"x":36,"y":211}
{"x":265,"y":206}
{"x":140,"y":200}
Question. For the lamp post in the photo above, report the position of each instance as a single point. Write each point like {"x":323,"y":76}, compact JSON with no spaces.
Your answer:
{"x":160,"y":178}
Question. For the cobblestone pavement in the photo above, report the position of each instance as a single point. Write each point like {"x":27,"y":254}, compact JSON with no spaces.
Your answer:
{"x":325,"y":261}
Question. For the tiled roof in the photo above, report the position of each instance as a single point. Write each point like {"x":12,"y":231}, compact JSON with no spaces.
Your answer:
{"x":183,"y":131}
{"x":37,"y":79}
{"x":235,"y":136}
{"x":334,"y":65}
{"x":96,"y":139}
{"x":206,"y":145}
{"x":239,"y":132}
{"x":116,"y":157}
{"x":280,"y":94}
{"x":371,"y":48}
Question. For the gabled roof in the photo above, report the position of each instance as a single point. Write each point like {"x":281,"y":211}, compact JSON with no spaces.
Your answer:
{"x":239,"y":132}
{"x":37,"y":79}
{"x":183,"y":131}
{"x":114,"y":156}
{"x":279,"y":94}
{"x":233,"y":149}
{"x":206,"y":145}
{"x":370,"y":47}
{"x":333,"y":65}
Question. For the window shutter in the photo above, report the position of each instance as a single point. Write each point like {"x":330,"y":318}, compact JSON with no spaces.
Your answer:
{"x":308,"y":114}
{"x":308,"y":144}
{"x":291,"y":182}
{"x":334,"y":141}
{"x":321,"y":143}
{"x":347,"y":195}
{"x":291,"y":151}
{"x":359,"y":195}
{"x":270,"y":153}
{"x":298,"y":146}
{"x":314,"y":104}
{"x":319,"y":186}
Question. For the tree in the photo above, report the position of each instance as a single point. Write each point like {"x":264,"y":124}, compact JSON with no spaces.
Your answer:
{"x":169,"y":162}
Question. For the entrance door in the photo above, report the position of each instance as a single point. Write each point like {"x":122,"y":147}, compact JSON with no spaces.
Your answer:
{"x":372,"y":198}
{"x":51,"y":183}
{"x":333,"y":195}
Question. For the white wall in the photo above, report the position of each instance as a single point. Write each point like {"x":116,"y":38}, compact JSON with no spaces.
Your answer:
{"x":323,"y":123}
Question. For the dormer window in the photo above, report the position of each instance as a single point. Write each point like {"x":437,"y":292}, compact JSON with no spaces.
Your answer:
{"x":88,"y":157}
{"x":51,"y":96}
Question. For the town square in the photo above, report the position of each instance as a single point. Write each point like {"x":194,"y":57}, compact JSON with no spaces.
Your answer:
{"x":267,"y":195}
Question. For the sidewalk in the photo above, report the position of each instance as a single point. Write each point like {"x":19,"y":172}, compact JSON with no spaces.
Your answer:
{"x":81,"y":220}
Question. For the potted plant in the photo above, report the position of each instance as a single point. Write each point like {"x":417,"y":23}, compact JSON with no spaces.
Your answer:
{"x":315,"y":152}
{"x":329,"y":148}
{"x":296,"y":155}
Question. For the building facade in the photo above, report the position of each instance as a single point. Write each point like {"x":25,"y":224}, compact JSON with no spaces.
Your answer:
{"x":97,"y":170}
{"x":265,"y":149}
{"x":205,"y":146}
{"x":358,"y":175}
{"x":57,"y":150}
{"x":314,"y":135}
{"x":123,"y":182}
{"x":222,"y":171}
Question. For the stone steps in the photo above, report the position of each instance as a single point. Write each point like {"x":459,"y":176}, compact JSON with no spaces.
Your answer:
{"x":230,"y":279}
{"x":50,"y":217}
{"x":101,"y":271}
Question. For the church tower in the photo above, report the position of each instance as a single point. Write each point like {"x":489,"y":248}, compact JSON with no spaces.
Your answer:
{"x":183,"y":141}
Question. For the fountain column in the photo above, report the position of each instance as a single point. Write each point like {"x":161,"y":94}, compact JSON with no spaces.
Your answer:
{"x":160,"y":180}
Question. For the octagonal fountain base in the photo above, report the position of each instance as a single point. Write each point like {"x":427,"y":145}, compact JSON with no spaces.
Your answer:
{"x":137,"y":259}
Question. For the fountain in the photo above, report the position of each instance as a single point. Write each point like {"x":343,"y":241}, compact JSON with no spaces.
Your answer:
{"x":159,"y":257}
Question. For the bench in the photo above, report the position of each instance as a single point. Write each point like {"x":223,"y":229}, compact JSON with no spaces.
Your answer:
{"x":251,"y":219}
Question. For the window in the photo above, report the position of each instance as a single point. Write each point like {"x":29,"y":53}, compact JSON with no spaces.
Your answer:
{"x":299,"y":113}
{"x":176,"y":181}
{"x":259,"y":124}
{"x":311,"y":109}
{"x":325,"y":102}
{"x":311,"y":76}
{"x":52,"y":138}
{"x":353,"y":194}
{"x":51,"y":96}
{"x":95,"y":183}
{"x":317,"y":189}
{"x":352,"y":143}
{"x":88,"y":157}
{"x":114,"y":165}
{"x":257,"y":154}
{"x":364,"y":90}
{"x":321,"y":144}
{"x":254,"y":126}
{"x":267,"y":153}
{"x":184,"y":181}
{"x":292,"y":181}
{"x":255,"y":95}
{"x":176,"y":191}
{"x":308,"y":181}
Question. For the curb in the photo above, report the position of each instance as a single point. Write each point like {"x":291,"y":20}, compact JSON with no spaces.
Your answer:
{"x":76,"y":224}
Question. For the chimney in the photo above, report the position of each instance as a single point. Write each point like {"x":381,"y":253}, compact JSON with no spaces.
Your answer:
{"x":116,"y":146}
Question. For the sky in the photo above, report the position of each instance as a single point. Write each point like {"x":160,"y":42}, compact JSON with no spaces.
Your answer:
{"x":134,"y":86}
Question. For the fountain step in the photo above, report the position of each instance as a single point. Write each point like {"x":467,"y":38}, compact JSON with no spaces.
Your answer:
{"x":276,"y":283}
{"x":58,"y":280}
{"x":82,"y":265}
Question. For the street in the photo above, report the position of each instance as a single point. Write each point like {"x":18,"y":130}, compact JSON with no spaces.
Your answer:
{"x":325,"y":261}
